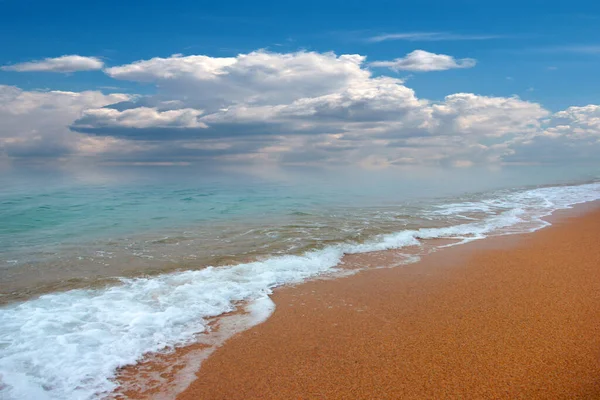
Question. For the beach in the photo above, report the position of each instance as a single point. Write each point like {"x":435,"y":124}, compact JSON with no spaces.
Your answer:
{"x":299,"y":200}
{"x":464,"y":295}
{"x":502,"y":318}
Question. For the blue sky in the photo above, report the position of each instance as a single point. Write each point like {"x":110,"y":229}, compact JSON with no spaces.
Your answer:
{"x":535,"y":36}
{"x":545,"y":52}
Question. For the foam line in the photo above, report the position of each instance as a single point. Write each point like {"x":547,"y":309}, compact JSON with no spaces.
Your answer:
{"x":69,"y":345}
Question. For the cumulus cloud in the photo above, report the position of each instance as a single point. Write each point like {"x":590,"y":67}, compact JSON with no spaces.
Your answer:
{"x":35,"y":123}
{"x":294,"y":108}
{"x":70,"y":63}
{"x":255,"y":78}
{"x":571,"y":135}
{"x":368,"y":101}
{"x":141,"y":117}
{"x":469,"y":114}
{"x":424,"y":61}
{"x":576,"y":122}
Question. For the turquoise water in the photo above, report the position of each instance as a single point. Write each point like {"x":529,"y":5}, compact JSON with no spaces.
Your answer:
{"x":46,"y":209}
{"x":114,"y":264}
{"x":70,"y":229}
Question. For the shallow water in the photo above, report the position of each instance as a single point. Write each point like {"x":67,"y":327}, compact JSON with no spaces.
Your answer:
{"x":105,"y":271}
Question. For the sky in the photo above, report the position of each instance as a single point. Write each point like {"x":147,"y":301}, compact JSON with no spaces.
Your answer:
{"x":376,"y":84}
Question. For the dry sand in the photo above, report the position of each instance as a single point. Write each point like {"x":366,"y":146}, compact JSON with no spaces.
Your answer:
{"x":514,"y":317}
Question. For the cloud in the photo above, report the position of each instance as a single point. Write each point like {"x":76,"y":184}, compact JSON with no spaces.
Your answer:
{"x":568,"y":136}
{"x":576,"y":48}
{"x":482,"y":116}
{"x":424,"y":61}
{"x":301,"y":108}
{"x":35,"y":123}
{"x":258,"y":77}
{"x":363,"y":102}
{"x":71,"y":63}
{"x":576,"y":123}
{"x":430,"y":37}
{"x":373,"y":99}
{"x":140,"y":117}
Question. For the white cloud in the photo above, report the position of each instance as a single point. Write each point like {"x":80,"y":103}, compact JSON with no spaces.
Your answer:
{"x":296,"y":108}
{"x":70,"y":63}
{"x":469,"y":114}
{"x":576,"y":122}
{"x":424,"y":61}
{"x":371,"y":100}
{"x":14,"y":101}
{"x":141,"y":117}
{"x":568,"y":136}
{"x":430,"y":37}
{"x":174,"y":67}
{"x":36,"y":123}
{"x":258,"y":78}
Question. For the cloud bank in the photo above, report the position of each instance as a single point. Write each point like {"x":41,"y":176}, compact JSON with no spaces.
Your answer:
{"x":300,"y":108}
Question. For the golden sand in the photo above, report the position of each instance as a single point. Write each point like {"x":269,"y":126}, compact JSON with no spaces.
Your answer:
{"x":514,"y":317}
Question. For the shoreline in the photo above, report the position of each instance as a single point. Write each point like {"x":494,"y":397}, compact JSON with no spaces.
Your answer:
{"x":309,"y":330}
{"x":136,"y":332}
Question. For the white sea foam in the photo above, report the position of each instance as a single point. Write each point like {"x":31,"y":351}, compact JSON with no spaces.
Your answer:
{"x":186,"y":365}
{"x":68,"y":345}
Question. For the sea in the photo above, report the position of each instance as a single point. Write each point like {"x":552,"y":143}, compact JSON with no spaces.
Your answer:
{"x":100,"y":268}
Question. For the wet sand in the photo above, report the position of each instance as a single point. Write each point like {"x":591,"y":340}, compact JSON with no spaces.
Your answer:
{"x":515,"y":317}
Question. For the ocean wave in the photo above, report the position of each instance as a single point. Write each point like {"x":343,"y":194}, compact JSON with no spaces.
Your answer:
{"x":70,"y":344}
